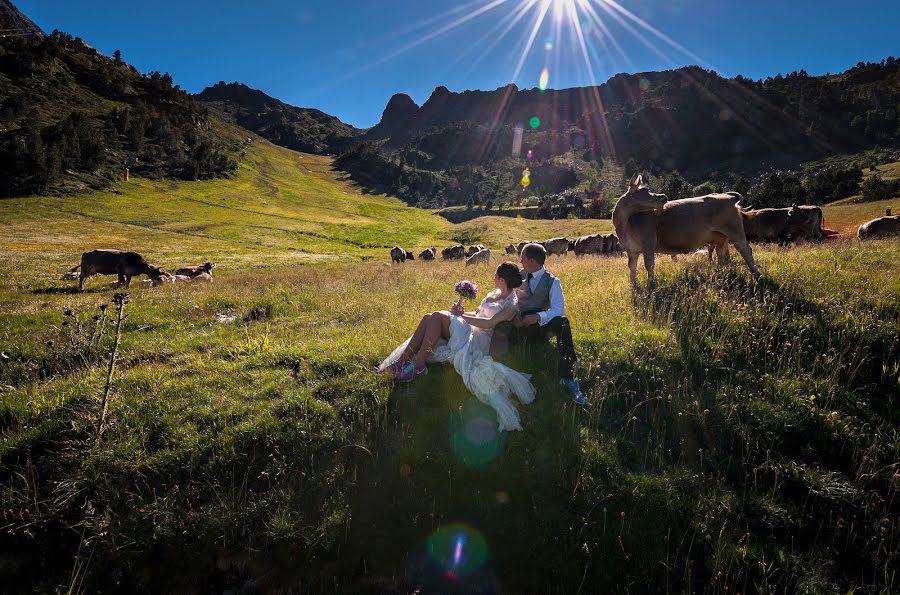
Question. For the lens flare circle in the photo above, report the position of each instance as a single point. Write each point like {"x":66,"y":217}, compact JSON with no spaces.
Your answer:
{"x":534,"y":122}
{"x":457,"y":550}
{"x":474,"y":437}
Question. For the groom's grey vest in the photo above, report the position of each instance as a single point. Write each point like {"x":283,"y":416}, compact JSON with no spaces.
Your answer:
{"x":539,"y":299}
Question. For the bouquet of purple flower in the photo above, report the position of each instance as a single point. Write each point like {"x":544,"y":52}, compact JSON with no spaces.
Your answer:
{"x":466,"y":290}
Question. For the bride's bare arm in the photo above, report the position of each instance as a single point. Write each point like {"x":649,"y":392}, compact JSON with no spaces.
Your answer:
{"x":503,"y":315}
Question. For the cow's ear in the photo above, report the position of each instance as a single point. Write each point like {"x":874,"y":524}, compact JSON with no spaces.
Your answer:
{"x":633,"y":183}
{"x":637,"y":181}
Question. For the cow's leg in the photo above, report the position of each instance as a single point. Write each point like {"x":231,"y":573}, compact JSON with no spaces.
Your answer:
{"x":744,"y":249}
{"x":127,"y":281}
{"x":722,"y":255}
{"x":81,"y":278}
{"x":632,"y":266}
{"x":709,"y":252}
{"x":650,"y":264}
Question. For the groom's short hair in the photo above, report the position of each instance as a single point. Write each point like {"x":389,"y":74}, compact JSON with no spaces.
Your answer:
{"x":535,"y":252}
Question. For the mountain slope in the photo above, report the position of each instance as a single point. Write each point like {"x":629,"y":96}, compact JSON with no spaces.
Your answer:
{"x":13,"y":22}
{"x":72,"y":119}
{"x":301,"y":129}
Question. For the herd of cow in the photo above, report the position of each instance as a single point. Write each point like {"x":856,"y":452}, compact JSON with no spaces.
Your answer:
{"x":478,"y":254}
{"x":648,"y":224}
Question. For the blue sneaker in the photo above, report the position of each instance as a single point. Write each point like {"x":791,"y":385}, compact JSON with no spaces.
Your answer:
{"x":573,"y":387}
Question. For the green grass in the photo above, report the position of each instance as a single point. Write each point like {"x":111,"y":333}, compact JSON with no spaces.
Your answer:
{"x":743,"y":436}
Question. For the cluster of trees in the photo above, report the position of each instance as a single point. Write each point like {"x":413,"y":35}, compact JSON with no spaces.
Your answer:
{"x":67,"y":111}
{"x":776,"y":189}
{"x":877,"y":188}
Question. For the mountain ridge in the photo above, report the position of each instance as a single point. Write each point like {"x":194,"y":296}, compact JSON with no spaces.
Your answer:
{"x":302,"y":129}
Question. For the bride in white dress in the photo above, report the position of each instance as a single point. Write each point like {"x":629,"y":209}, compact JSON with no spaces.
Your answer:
{"x":464,"y":338}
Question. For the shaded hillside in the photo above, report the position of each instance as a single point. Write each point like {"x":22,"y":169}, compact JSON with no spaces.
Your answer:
{"x":301,"y":129}
{"x":14,"y":23}
{"x":688,"y":120}
{"x":72,"y":118}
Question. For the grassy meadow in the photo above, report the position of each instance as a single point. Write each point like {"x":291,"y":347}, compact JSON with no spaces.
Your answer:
{"x":743,"y":436}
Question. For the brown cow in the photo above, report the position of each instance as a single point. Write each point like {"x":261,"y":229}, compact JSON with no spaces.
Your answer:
{"x":592,"y":244}
{"x":194,"y":271}
{"x":511,"y":249}
{"x":883,"y":227}
{"x":783,"y":225}
{"x":558,"y":246}
{"x":648,"y":223}
{"x":114,"y":262}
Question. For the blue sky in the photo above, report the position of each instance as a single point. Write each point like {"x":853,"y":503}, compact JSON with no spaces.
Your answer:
{"x":348,"y":57}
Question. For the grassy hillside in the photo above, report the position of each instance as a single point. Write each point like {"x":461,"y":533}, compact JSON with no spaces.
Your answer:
{"x":742,"y":436}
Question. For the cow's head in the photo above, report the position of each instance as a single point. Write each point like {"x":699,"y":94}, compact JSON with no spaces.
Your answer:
{"x":155,"y":273}
{"x":208,"y":266}
{"x":805,"y":223}
{"x":640,"y":197}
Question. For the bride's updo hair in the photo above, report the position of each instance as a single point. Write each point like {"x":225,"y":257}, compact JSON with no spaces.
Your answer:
{"x":509,"y":272}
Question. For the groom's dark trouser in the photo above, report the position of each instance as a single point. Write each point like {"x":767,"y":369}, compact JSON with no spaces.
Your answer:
{"x":564,"y":343}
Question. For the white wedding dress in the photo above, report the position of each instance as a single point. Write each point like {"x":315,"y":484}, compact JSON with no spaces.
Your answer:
{"x":468,"y":349}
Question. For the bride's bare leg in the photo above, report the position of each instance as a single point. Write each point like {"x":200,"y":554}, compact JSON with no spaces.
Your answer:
{"x":438,"y":328}
{"x":415,"y":342}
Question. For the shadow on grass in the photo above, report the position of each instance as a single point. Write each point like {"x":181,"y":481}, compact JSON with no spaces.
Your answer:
{"x":68,"y":290}
{"x":552,"y":515}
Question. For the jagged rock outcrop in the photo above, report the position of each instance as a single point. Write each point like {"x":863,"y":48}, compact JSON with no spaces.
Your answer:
{"x":13,"y":22}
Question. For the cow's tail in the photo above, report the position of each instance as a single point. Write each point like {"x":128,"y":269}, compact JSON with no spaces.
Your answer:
{"x":75,"y":269}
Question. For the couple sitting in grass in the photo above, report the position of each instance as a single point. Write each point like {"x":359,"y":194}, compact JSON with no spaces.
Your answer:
{"x":524,"y":304}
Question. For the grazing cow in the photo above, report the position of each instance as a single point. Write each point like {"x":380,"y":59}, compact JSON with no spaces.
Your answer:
{"x":457,"y":252}
{"x":649,"y":223}
{"x":611,"y":244}
{"x":427,"y":254}
{"x":592,"y":244}
{"x":883,"y":227}
{"x":783,"y":225}
{"x":511,"y":249}
{"x":194,"y":271}
{"x":398,"y":255}
{"x":474,"y":250}
{"x":114,"y":262}
{"x":480,"y":257}
{"x":521,"y":245}
{"x":558,"y":246}
{"x":409,"y":255}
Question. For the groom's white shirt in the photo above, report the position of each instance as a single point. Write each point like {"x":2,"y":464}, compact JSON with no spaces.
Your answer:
{"x":557,"y":300}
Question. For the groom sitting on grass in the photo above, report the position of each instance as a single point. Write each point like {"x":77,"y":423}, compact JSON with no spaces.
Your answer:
{"x":541,"y":312}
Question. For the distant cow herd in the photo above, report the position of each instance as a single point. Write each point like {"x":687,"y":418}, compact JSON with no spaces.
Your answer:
{"x":649,"y":224}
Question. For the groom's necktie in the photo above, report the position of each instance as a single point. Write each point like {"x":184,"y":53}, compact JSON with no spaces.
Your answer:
{"x":530,"y":277}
